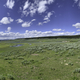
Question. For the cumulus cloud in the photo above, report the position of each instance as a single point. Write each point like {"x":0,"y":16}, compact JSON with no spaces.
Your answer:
{"x":26,"y":13}
{"x":47,"y":17}
{"x":50,"y":1}
{"x":77,"y":25}
{"x":77,"y":2}
{"x":6,"y":20}
{"x":10,"y":4}
{"x":28,"y":24}
{"x":33,"y":33}
{"x":33,"y":9}
{"x":19,"y":20}
{"x":26,"y":5}
{"x":36,"y":6}
{"x":58,"y":30}
{"x":42,"y":6}
{"x":8,"y":29}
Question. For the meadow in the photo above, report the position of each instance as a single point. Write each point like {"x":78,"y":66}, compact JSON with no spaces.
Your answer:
{"x":40,"y":59}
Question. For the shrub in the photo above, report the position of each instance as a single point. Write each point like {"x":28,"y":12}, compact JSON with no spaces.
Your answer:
{"x":10,"y":62}
{"x":32,"y":61}
{"x":40,"y":73}
{"x":2,"y":77}
{"x":70,"y":63}
{"x":7,"y":58}
{"x":52,"y":68}
{"x":10,"y":77}
{"x":72,"y":54}
{"x":77,"y":70}
{"x":75,"y":78}
{"x":67,"y":55}
{"x":78,"y":57}
{"x":25,"y":62}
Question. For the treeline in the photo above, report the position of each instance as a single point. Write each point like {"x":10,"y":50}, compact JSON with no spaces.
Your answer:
{"x":55,"y":37}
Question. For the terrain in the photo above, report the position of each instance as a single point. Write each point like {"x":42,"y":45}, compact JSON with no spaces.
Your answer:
{"x":55,"y":58}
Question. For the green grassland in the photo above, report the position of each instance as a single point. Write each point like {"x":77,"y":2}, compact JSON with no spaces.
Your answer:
{"x":40,"y":59}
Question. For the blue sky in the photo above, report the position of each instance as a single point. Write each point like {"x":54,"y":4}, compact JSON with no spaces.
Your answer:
{"x":36,"y":18}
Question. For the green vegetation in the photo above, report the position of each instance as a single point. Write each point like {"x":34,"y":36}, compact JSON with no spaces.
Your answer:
{"x":40,"y":59}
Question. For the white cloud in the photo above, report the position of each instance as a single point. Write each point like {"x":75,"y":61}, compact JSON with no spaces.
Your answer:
{"x":75,"y":1}
{"x":50,"y":1}
{"x":78,"y":30}
{"x":26,"y":5}
{"x":33,"y":33}
{"x":40,"y":23}
{"x":78,"y":33}
{"x":28,"y":24}
{"x":36,"y":6}
{"x":26,"y":31}
{"x":47,"y":17}
{"x":42,"y":6}
{"x":8,"y":29}
{"x":6,"y":20}
{"x":33,"y":9}
{"x":33,"y":19}
{"x":77,"y":25}
{"x":48,"y":32}
{"x":58,"y":30}
{"x":10,"y":4}
{"x":19,"y":20}
{"x":26,"y":13}
{"x":46,"y":21}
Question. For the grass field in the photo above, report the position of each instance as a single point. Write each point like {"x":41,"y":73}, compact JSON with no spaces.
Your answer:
{"x":40,"y":59}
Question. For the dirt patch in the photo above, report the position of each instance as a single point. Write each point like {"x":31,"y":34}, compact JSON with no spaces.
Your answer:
{"x":66,"y":63}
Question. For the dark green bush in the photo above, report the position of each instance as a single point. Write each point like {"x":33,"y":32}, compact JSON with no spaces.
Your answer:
{"x":10,"y":77}
{"x":10,"y":62}
{"x":77,"y":70}
{"x":2,"y":77}
{"x":70,"y":63}
{"x":7,"y":58}
{"x":75,"y":78}
{"x":78,"y":57}
{"x":25,"y":62}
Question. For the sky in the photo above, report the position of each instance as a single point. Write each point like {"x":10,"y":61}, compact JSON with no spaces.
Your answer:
{"x":39,"y":18}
